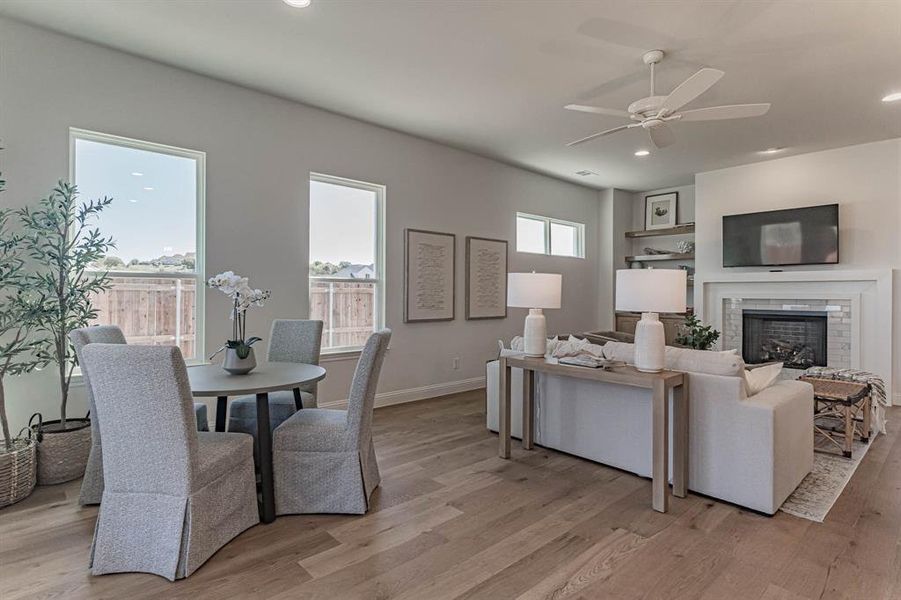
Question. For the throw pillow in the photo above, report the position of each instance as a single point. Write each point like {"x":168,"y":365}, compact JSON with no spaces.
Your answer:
{"x":761,"y":378}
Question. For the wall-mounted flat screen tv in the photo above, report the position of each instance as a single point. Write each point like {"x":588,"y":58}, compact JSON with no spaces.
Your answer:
{"x":797,"y":236}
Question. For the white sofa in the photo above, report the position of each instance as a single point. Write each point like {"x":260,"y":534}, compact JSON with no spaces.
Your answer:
{"x":751,"y":451}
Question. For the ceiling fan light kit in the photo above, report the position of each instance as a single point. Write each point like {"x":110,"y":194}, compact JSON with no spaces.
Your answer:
{"x":654,"y":112}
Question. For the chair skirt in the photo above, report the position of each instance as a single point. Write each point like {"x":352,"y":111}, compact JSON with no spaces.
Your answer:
{"x":172,"y":536}
{"x":324,"y":482}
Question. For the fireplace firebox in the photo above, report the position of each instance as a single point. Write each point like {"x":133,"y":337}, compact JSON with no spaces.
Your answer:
{"x":796,"y":338}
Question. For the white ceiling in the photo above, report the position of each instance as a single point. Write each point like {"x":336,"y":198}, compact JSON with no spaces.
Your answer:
{"x":493,"y":76}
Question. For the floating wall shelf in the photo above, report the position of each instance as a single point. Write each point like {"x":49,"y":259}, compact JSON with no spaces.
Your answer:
{"x":677,"y":230}
{"x":656,"y":257}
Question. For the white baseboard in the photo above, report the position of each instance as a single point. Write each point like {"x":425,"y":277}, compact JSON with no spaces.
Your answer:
{"x":416,"y":394}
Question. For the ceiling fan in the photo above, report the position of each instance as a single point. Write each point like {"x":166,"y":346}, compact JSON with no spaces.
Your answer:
{"x":654,"y":112}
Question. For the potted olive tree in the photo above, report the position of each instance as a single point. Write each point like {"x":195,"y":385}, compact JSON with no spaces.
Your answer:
{"x":17,"y":347}
{"x":63,"y":248}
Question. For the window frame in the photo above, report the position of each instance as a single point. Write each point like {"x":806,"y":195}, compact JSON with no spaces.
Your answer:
{"x":547,"y":222}
{"x":379,"y":281}
{"x":199,"y":273}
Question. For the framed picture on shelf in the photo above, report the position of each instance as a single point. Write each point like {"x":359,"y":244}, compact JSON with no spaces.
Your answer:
{"x":429,"y":275}
{"x":660,"y":210}
{"x":486,"y":278}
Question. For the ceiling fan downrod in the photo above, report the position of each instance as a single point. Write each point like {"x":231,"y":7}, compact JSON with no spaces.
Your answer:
{"x":651,"y":58}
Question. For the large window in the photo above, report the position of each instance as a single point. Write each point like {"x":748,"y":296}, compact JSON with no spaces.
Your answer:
{"x":156,"y":221}
{"x":346,"y":260}
{"x":544,"y":235}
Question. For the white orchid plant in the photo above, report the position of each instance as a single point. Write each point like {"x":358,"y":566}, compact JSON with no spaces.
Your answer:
{"x":243,"y":297}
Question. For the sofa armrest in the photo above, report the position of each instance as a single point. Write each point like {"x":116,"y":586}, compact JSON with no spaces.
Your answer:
{"x":784,"y":394}
{"x":792,"y":405}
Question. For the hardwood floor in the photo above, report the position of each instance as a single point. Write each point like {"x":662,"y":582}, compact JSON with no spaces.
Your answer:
{"x":452,"y":520}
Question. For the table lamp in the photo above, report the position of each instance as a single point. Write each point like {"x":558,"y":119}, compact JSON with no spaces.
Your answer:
{"x":534,"y":291}
{"x":650,"y":291}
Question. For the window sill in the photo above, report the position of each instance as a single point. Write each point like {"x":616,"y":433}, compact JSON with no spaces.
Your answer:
{"x":336,"y":355}
{"x":549,"y":255}
{"x":340,"y":355}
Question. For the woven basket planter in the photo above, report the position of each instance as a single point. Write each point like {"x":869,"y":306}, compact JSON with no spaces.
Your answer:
{"x":62,"y":454}
{"x":17,"y":471}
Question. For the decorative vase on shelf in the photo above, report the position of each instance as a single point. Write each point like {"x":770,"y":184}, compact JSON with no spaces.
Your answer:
{"x":239,"y":356}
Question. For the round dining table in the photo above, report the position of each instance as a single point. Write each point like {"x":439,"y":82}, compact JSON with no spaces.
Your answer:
{"x":212,"y":381}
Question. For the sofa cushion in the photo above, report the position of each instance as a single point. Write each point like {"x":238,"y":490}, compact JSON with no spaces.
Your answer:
{"x":602,"y":337}
{"x":727,"y":364}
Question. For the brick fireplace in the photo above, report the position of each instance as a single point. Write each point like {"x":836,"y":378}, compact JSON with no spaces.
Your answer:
{"x":799,"y":332}
{"x":793,"y":337}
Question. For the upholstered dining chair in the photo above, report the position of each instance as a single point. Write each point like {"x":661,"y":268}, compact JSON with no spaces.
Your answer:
{"x":92,"y":483}
{"x":172,"y":496}
{"x":290,"y":340}
{"x":324,"y":460}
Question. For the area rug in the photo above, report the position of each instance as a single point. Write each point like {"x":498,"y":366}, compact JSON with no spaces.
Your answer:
{"x":824,"y":484}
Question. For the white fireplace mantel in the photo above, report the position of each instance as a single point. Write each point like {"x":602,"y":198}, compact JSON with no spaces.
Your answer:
{"x":869,"y":292}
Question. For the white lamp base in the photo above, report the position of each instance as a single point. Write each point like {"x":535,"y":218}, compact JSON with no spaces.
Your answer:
{"x":650,"y":346}
{"x":535,"y":333}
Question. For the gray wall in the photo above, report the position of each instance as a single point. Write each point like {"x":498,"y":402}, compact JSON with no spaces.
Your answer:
{"x":615,"y":220}
{"x":685,"y":211}
{"x":260,"y":150}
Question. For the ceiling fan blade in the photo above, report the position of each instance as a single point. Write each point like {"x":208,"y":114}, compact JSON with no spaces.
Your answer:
{"x":690,"y":89}
{"x":662,"y":136}
{"x":599,"y":134}
{"x":598,"y":110}
{"x":732,"y":111}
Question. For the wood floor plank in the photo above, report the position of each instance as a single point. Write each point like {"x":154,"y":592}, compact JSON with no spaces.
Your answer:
{"x":593,"y":565}
{"x":452,"y":520}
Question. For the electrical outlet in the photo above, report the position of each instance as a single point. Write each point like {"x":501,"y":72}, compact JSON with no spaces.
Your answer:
{"x":456,"y":363}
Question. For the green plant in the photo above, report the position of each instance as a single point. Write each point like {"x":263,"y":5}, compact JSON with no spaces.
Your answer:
{"x":695,"y":334}
{"x":17,"y":346}
{"x":62,"y":245}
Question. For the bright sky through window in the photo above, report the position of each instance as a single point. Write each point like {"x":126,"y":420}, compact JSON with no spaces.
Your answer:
{"x":153,"y":213}
{"x":563,"y":240}
{"x":529,"y":235}
{"x":342,"y":224}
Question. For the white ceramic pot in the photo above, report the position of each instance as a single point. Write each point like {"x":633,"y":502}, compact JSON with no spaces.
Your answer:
{"x":236,"y":365}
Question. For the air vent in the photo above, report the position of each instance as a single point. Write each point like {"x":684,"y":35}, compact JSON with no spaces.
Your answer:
{"x":585,"y":173}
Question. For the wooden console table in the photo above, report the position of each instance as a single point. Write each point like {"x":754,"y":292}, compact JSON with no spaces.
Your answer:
{"x":661,"y":384}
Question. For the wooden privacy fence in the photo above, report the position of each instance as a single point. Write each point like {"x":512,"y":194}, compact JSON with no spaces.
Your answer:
{"x":151,"y":311}
{"x":346,"y":308}
{"x":160,"y":310}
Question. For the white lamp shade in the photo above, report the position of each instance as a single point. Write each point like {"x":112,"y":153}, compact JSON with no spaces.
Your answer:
{"x":534,"y":290}
{"x":651,"y":290}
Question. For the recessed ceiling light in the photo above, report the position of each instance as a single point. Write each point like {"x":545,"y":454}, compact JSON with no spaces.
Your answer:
{"x":642,"y":153}
{"x":148,"y":189}
{"x":772,"y":151}
{"x":893,"y":97}
{"x":298,"y":3}
{"x":132,"y":200}
{"x":136,"y":174}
